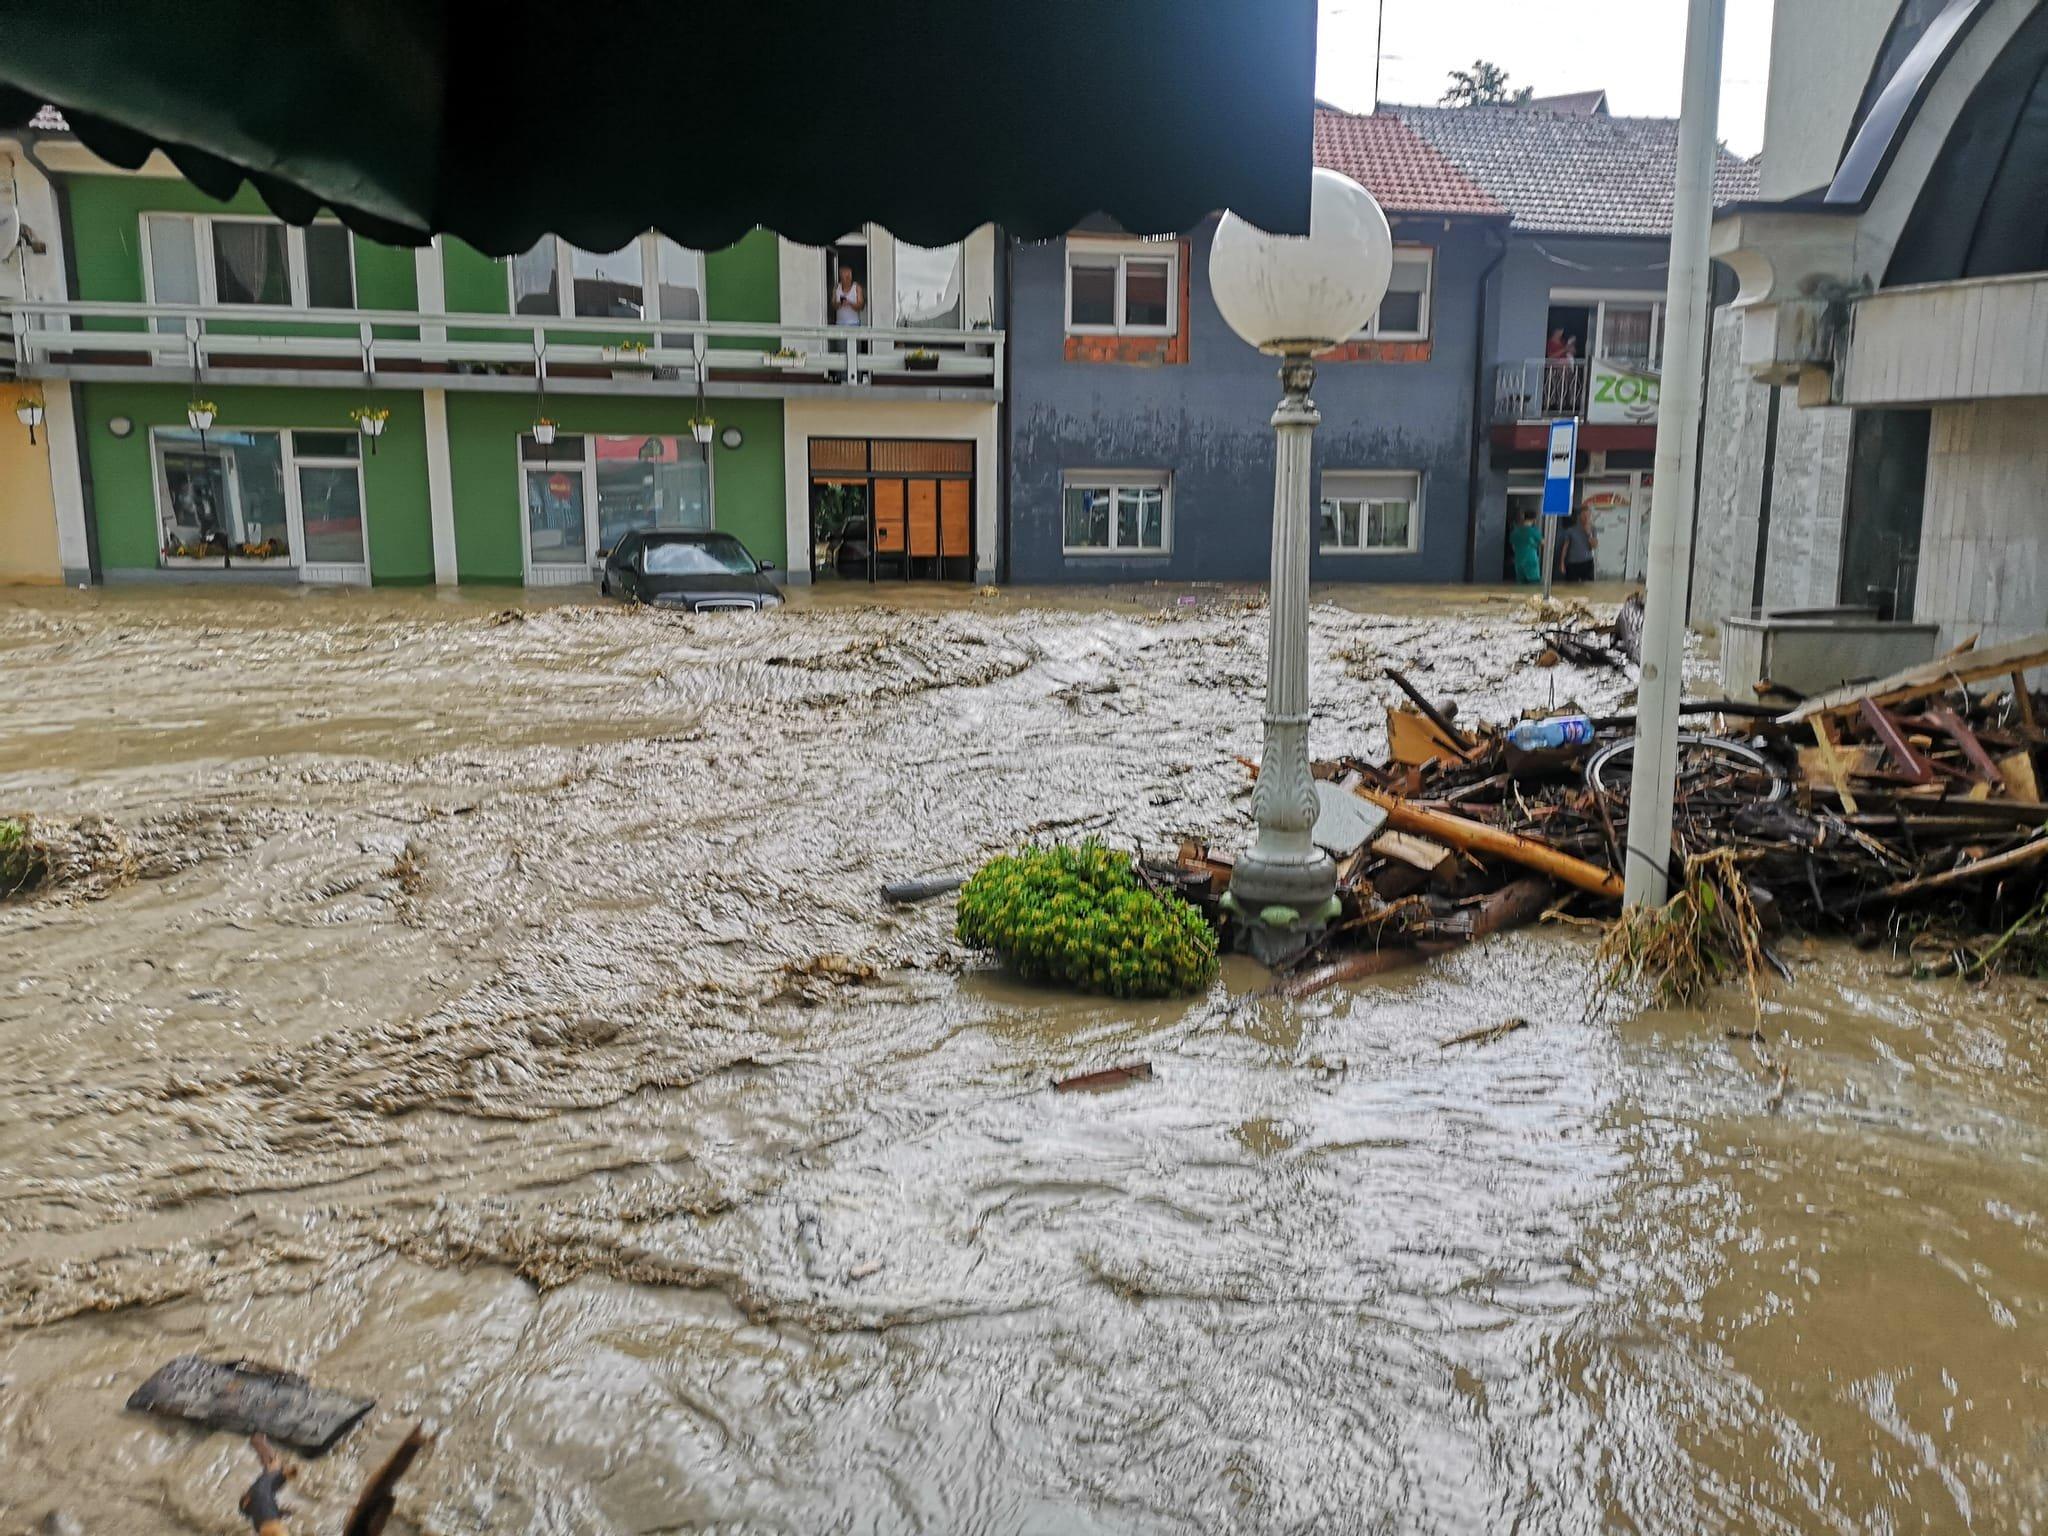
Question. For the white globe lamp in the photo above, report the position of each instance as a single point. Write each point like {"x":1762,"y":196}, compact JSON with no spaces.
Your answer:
{"x":1294,"y":296}
{"x":1298,"y":295}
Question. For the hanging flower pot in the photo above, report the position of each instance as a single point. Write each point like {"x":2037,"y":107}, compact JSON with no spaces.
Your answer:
{"x":29,"y":410}
{"x":543,"y":431}
{"x":200,"y":414}
{"x":701,"y":428}
{"x":370,"y":420}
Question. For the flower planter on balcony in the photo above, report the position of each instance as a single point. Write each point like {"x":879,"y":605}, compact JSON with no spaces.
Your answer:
{"x":783,"y":359}
{"x":193,"y":562}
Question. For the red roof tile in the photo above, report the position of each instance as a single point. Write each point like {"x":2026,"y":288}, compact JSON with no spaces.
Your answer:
{"x":1397,"y":165}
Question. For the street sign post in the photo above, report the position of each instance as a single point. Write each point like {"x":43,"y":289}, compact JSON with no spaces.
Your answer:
{"x":1559,"y":464}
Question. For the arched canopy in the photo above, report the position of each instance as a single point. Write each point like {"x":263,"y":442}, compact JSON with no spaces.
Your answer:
{"x":500,"y":122}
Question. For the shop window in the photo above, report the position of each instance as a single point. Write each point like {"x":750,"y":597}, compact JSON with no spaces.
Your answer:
{"x":650,"y":482}
{"x":1404,"y":311}
{"x":223,"y":495}
{"x":1370,"y":513}
{"x":1122,"y":512}
{"x":203,"y":259}
{"x":1125,"y":288}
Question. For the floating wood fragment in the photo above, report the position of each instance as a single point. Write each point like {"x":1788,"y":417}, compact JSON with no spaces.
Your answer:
{"x":1937,"y":676}
{"x":246,"y":1398}
{"x":1355,"y":966}
{"x":1484,"y":1035}
{"x":1108,"y":1077}
{"x":380,"y":1497}
{"x":1478,"y":837}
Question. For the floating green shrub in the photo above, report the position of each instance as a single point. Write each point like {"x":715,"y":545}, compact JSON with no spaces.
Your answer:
{"x":1079,"y":914}
{"x":23,"y":864}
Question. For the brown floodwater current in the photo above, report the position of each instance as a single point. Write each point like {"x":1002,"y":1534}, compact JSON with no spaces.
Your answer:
{"x":489,"y":1010}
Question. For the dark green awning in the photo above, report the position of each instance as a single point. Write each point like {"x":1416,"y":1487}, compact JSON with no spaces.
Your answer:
{"x":500,"y":122}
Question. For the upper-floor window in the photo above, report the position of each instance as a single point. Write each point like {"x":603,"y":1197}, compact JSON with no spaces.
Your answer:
{"x":1404,"y":312}
{"x":929,"y":285}
{"x":232,"y":259}
{"x":556,"y":278}
{"x":1122,"y":287}
{"x":1370,"y":512}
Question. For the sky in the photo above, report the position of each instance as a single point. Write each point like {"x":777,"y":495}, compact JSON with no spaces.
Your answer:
{"x":1634,"y":49}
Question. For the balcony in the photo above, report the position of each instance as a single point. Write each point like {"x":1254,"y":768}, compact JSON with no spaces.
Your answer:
{"x":400,"y":349}
{"x":1601,"y":390}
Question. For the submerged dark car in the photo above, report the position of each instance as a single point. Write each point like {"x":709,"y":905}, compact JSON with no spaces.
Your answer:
{"x":696,"y":571}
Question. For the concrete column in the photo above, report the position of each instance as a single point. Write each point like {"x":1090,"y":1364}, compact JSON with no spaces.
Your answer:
{"x":67,"y":483}
{"x":1653,"y":777}
{"x":440,"y":485}
{"x":428,"y":278}
{"x":1285,"y":869}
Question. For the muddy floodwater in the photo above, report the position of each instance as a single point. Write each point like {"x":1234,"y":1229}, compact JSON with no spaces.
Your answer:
{"x":488,"y":1009}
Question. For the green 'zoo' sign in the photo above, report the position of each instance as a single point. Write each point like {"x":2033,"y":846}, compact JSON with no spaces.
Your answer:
{"x":1620,"y":393}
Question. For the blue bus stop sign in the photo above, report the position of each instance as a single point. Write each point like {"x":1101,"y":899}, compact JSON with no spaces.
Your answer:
{"x":1558,"y":464}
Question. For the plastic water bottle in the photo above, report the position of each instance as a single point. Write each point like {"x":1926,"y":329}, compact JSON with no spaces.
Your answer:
{"x":1548,"y":735}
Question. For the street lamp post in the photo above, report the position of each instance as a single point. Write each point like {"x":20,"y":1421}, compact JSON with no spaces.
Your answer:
{"x":1294,"y":297}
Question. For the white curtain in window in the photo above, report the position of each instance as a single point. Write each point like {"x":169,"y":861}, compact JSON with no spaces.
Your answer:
{"x":928,"y":284}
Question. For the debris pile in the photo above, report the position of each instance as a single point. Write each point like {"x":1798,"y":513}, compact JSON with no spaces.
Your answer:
{"x":1907,"y":809}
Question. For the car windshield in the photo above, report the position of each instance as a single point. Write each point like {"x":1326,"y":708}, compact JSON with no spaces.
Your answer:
{"x":710,"y":557}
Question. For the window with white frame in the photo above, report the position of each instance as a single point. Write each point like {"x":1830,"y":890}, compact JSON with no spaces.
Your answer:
{"x":929,"y":284}
{"x":1404,"y":311}
{"x":241,"y":495}
{"x":1122,"y":287}
{"x":556,"y":278}
{"x":191,"y":258}
{"x":1116,"y":512}
{"x":1371,"y":512}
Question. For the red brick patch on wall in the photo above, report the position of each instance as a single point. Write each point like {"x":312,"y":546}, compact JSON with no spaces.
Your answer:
{"x":1378,"y":352}
{"x":1147,"y":351}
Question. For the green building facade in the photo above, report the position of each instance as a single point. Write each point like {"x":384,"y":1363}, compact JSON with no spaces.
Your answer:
{"x":234,"y":399}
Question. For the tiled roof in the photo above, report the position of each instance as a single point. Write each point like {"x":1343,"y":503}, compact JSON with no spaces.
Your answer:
{"x":1561,"y":172}
{"x":1386,"y":157}
{"x":1572,"y":101}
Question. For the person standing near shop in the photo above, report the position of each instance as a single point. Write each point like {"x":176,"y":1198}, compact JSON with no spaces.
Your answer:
{"x":1575,"y":548}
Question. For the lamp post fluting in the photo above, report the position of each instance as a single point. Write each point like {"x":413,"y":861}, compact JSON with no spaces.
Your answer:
{"x":1294,"y":297}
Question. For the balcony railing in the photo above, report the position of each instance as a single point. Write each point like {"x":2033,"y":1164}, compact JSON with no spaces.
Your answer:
{"x":1539,"y":389}
{"x":404,"y":349}
{"x":1606,"y":391}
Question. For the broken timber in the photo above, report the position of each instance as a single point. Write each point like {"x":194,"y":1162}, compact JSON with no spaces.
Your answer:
{"x":251,"y":1399}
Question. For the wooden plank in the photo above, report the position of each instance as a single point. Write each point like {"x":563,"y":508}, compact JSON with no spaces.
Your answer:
{"x":956,"y":517}
{"x":2027,"y":852}
{"x":2025,"y":701}
{"x":251,"y":1399}
{"x":1414,"y":739}
{"x":1417,"y":852}
{"x":1831,"y":759}
{"x":1950,"y":724}
{"x":1928,"y":677}
{"x":2017,"y":774}
{"x":924,"y":518}
{"x":1915,"y":767}
{"x":1477,"y":837}
{"x":1857,"y":760}
{"x":889,"y":516}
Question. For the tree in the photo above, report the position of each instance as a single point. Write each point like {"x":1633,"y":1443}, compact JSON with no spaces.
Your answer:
{"x":1483,"y":85}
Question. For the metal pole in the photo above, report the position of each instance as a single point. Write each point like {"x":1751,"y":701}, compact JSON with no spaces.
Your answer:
{"x":1653,"y":780}
{"x":1284,"y":890}
{"x":1549,"y":552}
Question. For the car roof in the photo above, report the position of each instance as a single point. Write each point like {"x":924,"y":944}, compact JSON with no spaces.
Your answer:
{"x":683,"y":535}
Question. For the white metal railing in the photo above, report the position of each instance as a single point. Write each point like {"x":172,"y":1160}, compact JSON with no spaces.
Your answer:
{"x":399,"y":347}
{"x":1539,"y":388}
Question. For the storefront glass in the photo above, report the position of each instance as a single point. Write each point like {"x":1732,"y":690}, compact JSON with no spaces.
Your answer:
{"x":650,"y":482}
{"x":224,"y":495}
